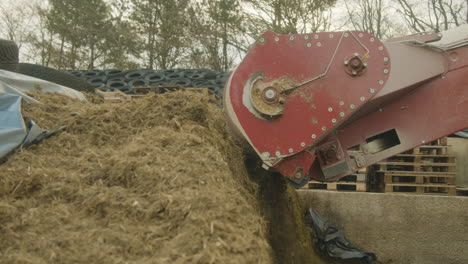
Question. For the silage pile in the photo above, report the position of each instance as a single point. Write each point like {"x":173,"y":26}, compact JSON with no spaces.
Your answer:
{"x":155,"y":180}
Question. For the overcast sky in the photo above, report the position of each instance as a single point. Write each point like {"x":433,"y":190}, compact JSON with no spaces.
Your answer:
{"x":339,"y":15}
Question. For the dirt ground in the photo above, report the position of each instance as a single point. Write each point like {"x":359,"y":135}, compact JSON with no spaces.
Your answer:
{"x":155,"y":180}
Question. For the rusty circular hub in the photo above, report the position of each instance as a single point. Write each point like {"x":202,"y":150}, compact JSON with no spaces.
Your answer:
{"x":267,"y":98}
{"x":355,"y":65}
{"x":270,"y":95}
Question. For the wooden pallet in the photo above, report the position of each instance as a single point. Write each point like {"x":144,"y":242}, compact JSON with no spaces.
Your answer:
{"x":419,"y":162}
{"x":337,"y":186}
{"x":170,"y":88}
{"x":418,"y":177}
{"x":416,"y":188}
{"x":428,"y":169}
{"x":462,"y":191}
{"x":117,"y":96}
{"x":159,"y":89}
{"x":355,"y":182}
{"x":429,"y":150}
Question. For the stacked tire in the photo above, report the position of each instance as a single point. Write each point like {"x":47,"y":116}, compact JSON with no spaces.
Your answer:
{"x":9,"y":60}
{"x":109,"y":80}
{"x":55,"y":76}
{"x":9,"y":55}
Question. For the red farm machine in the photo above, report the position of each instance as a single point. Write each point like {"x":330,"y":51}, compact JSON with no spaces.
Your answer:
{"x":306,"y":103}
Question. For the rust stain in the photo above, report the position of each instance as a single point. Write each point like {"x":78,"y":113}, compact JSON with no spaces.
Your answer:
{"x":280,"y":84}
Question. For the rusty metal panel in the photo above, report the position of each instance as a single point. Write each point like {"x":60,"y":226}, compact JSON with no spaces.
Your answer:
{"x":434,"y":110}
{"x":311,"y":108}
{"x":296,"y":96}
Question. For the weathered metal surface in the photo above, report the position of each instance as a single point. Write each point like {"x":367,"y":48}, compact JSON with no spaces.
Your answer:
{"x":268,"y":98}
{"x":340,"y":99}
{"x":433,"y":110}
{"x":430,"y":110}
{"x":314,"y":108}
{"x":297,"y":167}
{"x":422,"y":37}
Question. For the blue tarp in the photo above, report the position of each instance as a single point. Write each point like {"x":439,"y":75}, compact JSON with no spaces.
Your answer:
{"x":13,"y":131}
{"x":12,"y":128}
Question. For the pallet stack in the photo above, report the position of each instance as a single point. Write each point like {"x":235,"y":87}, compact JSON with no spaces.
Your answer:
{"x":355,"y":182}
{"x":117,"y":96}
{"x":428,"y":169}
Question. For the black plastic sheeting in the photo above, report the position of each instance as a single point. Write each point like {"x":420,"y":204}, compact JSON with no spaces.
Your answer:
{"x":463,"y":133}
{"x":332,"y":243}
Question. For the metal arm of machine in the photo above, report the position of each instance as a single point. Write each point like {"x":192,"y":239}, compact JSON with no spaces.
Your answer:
{"x":306,"y":102}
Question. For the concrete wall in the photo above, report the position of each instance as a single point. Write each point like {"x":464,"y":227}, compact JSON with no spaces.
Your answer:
{"x":399,"y":228}
{"x":459,"y":147}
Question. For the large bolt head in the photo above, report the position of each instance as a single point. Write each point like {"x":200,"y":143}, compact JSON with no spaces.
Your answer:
{"x":270,"y":95}
{"x":356,"y":63}
{"x":298,"y":174}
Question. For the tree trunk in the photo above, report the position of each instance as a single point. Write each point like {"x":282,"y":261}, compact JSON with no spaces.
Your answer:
{"x":60,"y":62}
{"x":278,"y":16}
{"x":73,"y":57}
{"x":444,"y":14}
{"x":43,"y":50}
{"x":151,"y":51}
{"x":91,"y":58}
{"x":225,"y":51}
{"x":49,"y":50}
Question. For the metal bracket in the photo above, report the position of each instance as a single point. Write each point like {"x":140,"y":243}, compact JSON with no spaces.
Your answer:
{"x":332,"y":159}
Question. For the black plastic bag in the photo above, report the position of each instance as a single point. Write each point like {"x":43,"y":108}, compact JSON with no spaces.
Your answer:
{"x":331,"y":241}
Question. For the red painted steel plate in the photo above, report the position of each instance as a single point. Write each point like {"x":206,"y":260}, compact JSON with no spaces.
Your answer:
{"x":315,"y":108}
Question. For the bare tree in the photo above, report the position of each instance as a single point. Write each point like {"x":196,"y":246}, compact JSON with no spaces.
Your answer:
{"x":217,"y":28}
{"x":121,"y":44}
{"x":433,"y":15}
{"x":373,"y":16}
{"x":16,"y":21}
{"x":289,"y":16}
{"x":162,"y":26}
{"x":366,"y":15}
{"x":41,"y":41}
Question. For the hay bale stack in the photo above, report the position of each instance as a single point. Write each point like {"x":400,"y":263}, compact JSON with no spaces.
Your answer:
{"x":155,"y":180}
